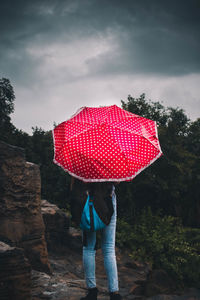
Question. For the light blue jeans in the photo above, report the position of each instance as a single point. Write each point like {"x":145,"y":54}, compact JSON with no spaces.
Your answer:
{"x":108,"y":250}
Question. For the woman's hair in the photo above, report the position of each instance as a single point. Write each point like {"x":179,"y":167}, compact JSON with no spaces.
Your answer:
{"x":95,"y":189}
{"x":100,"y":189}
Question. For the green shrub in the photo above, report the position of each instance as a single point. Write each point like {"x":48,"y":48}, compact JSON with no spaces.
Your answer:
{"x":164,"y":243}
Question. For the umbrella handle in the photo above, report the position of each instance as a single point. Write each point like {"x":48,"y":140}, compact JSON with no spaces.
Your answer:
{"x":72,"y":183}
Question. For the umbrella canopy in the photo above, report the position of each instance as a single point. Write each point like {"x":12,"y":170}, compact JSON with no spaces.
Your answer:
{"x":105,"y":144}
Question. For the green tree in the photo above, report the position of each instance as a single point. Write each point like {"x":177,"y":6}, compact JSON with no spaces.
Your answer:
{"x":7,"y":98}
{"x":192,"y":144}
{"x":146,"y":108}
{"x":193,"y":140}
{"x":169,"y":182}
{"x":164,"y":243}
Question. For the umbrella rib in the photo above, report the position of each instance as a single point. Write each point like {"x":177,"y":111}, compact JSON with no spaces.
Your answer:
{"x":74,"y":136}
{"x":102,"y":121}
{"x":122,"y":129}
{"x":119,"y":148}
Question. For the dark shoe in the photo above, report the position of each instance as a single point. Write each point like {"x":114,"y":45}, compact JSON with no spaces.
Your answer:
{"x":92,"y":294}
{"x":115,"y":296}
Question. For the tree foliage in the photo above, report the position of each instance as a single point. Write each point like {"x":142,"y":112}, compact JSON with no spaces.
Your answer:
{"x":172,"y":182}
{"x":7,"y":98}
{"x":163,"y":242}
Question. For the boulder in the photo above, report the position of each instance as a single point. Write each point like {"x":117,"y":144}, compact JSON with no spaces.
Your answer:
{"x":56,"y":225}
{"x":21,"y":222}
{"x":15,"y":274}
{"x":159,"y":282}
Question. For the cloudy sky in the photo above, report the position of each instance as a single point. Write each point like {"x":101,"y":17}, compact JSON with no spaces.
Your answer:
{"x":61,"y":55}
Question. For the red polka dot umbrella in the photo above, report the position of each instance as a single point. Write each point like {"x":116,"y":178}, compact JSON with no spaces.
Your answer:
{"x":105,"y":144}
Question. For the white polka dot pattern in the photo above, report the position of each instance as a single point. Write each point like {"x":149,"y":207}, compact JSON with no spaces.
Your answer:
{"x":105,"y":144}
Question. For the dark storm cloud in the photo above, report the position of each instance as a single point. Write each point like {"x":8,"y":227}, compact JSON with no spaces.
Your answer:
{"x":156,"y":36}
{"x":153,"y":36}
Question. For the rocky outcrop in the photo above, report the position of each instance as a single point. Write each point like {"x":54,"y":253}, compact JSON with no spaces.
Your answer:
{"x":21,"y":222}
{"x":56,"y":226}
{"x":67,"y":280}
{"x":159,"y":282}
{"x":137,"y":279}
{"x":15,"y":274}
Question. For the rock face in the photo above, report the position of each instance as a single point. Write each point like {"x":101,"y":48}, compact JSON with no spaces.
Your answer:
{"x":15,"y":274}
{"x":56,"y":225}
{"x":21,"y":222}
{"x":137,"y":280}
{"x":159,"y":282}
{"x":67,"y":279}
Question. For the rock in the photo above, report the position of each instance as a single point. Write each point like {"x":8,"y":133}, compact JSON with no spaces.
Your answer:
{"x":15,"y":274}
{"x":75,"y":239}
{"x":21,"y":222}
{"x":136,"y":289}
{"x":187,"y":294}
{"x":67,"y":280}
{"x":56,"y":225}
{"x":159,"y":282}
{"x":139,"y":266}
{"x":59,"y":234}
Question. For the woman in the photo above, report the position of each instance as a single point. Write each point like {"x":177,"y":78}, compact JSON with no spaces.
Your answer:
{"x":104,"y":190}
